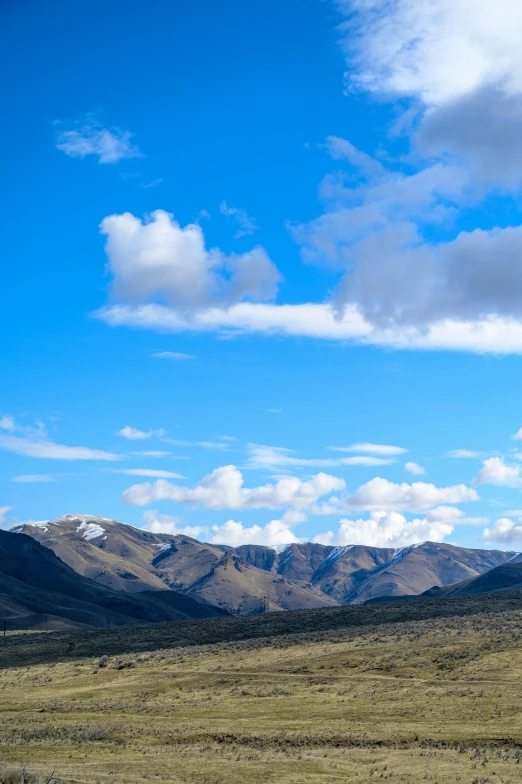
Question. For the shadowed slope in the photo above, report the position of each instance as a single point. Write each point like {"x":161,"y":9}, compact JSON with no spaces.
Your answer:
{"x":38,"y":590}
{"x":507,"y":577}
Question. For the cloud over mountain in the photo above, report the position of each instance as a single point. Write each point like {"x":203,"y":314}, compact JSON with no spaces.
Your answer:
{"x":223,"y":489}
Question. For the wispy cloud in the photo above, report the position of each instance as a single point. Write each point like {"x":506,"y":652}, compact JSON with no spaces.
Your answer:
{"x":153,"y":183}
{"x":44,"y":448}
{"x":260,"y":456}
{"x":30,"y":478}
{"x":7,"y":422}
{"x":153,"y":472}
{"x":151,"y":453}
{"x":464,"y":454}
{"x":372,"y":449}
{"x":202,"y":444}
{"x":3,"y":511}
{"x":134,"y":434}
{"x":174,"y":355}
{"x":246,"y":225}
{"x":88,"y":137}
{"x":341,"y":149}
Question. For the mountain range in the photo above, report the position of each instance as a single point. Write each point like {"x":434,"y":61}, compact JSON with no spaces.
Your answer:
{"x":38,"y":590}
{"x":250,"y":578}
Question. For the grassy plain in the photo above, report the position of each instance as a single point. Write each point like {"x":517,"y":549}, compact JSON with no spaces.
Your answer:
{"x":436,"y":700}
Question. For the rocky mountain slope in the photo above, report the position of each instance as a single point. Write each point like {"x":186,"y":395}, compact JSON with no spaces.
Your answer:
{"x":244,"y":579}
{"x":38,"y":590}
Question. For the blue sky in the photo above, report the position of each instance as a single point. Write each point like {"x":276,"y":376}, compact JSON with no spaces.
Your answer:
{"x":263,"y":275}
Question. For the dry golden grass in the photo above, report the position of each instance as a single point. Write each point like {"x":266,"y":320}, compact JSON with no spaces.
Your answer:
{"x":434,"y":700}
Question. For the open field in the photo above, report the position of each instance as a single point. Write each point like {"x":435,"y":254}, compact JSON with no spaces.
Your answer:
{"x":437,"y":700}
{"x":55,"y":646}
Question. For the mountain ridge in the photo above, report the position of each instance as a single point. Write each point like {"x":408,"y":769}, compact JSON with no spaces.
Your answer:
{"x":248,"y":578}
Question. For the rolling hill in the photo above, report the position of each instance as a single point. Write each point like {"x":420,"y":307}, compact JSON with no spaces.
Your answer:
{"x":246,"y":578}
{"x":506,"y":577}
{"x":38,"y":590}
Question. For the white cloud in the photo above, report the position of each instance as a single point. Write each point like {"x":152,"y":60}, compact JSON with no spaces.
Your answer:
{"x":504,"y":531}
{"x":464,"y":453}
{"x":159,"y":258}
{"x":388,"y":529}
{"x":223,"y":489}
{"x":391,"y":529}
{"x":3,"y":511}
{"x":246,"y":225}
{"x":436,"y":50}
{"x":168,"y":524}
{"x":203,"y":444}
{"x":7,"y":423}
{"x":133,"y":434}
{"x":174,"y":355}
{"x":461,"y":64}
{"x":414,"y":468}
{"x":29,"y":478}
{"x":109,"y":145}
{"x":153,"y":472}
{"x":274,"y":410}
{"x":341,"y":149}
{"x":151,"y":453}
{"x":518,"y":435}
{"x":495,"y":471}
{"x":373,"y":449}
{"x":153,"y":183}
{"x":234,"y":533}
{"x":492,"y":334}
{"x":271,"y":457}
{"x":48,"y":449}
{"x":396,"y":275}
{"x":379,"y":494}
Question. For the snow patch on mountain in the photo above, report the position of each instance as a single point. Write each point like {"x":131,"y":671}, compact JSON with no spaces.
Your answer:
{"x":82,"y":518}
{"x":399,"y":554}
{"x":280,"y":548}
{"x":38,"y":524}
{"x":335,"y":554}
{"x":90,"y":530}
{"x":162,"y":547}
